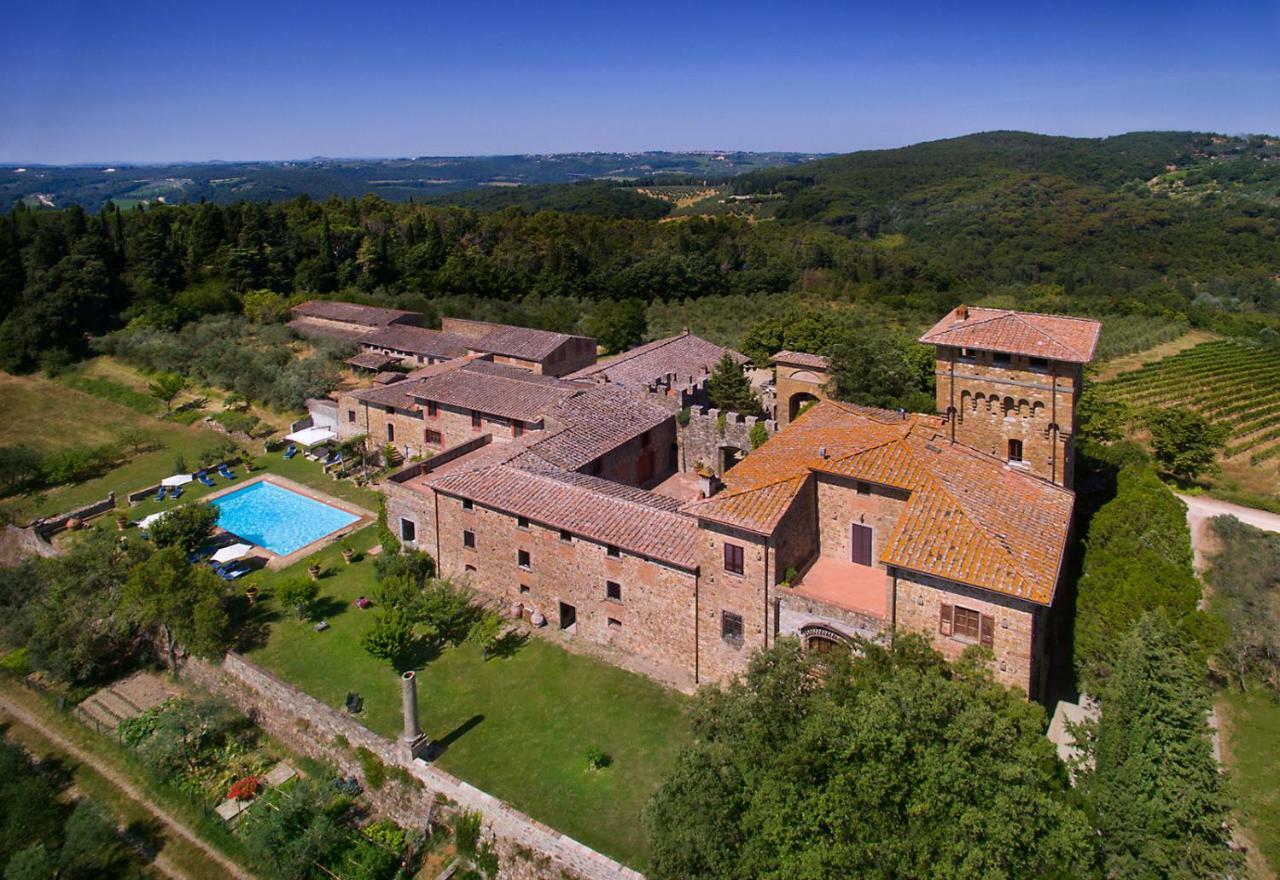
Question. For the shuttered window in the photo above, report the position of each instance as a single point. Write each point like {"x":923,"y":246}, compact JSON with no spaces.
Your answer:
{"x":733,"y":558}
{"x":967,"y":625}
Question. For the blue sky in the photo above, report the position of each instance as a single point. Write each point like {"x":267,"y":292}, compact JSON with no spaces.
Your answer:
{"x":137,"y":81}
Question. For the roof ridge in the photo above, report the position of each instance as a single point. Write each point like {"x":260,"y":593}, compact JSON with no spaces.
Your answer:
{"x":1022,"y":318}
{"x":547,"y":477}
{"x":734,"y":493}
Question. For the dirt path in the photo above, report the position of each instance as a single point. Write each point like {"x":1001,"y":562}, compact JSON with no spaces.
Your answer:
{"x":121,"y":782}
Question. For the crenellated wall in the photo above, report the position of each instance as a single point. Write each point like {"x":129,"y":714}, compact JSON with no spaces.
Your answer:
{"x":704,"y":440}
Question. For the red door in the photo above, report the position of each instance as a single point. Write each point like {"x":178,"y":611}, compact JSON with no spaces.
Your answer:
{"x":861,"y":543}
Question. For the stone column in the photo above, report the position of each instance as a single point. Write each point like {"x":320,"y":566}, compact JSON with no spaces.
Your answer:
{"x":409,"y":702}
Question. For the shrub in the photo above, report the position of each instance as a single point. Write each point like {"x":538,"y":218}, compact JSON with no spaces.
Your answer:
{"x":237,"y":422}
{"x":298,"y":593}
{"x":597,"y":759}
{"x":758,"y":435}
{"x":386,"y":833}
{"x":374,"y":770}
{"x":466,"y":831}
{"x":391,"y":637}
{"x":188,"y":527}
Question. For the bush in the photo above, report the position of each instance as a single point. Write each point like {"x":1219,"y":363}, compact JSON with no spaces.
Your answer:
{"x":372,"y":767}
{"x":237,"y":422}
{"x":466,"y":831}
{"x":188,"y":527}
{"x":597,"y":759}
{"x":78,"y":463}
{"x":386,"y":833}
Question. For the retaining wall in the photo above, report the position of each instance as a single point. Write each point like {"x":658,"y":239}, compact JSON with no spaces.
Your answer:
{"x":47,"y":526}
{"x":528,"y":849}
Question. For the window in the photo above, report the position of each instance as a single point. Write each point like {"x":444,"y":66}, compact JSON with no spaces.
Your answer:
{"x":566,"y":535}
{"x":967,"y":625}
{"x":469,"y":539}
{"x":434,"y":438}
{"x":1015,"y":450}
{"x":733,"y":558}
{"x":517,"y":428}
{"x":433,"y":409}
{"x":863,"y":488}
{"x":468,"y":504}
{"x":613,"y":590}
{"x":1002,"y":358}
{"x":351,"y":415}
{"x":469,"y":569}
{"x":731,"y":626}
{"x":408,"y":530}
{"x":1038,"y":363}
{"x":522,"y":522}
{"x":524,"y":589}
{"x":391,"y":432}
{"x":614,"y":623}
{"x":475,"y":420}
{"x":522,"y":559}
{"x":967,"y":354}
{"x":613,"y":551}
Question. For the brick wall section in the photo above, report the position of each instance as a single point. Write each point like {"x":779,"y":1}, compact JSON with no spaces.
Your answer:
{"x":720,"y":591}
{"x":795,"y":540}
{"x":622,"y":463}
{"x":995,"y":403}
{"x":1018,"y":625}
{"x":791,"y":382}
{"x":372,"y":419}
{"x":701,"y":440}
{"x":795,"y":612}
{"x":308,"y":726}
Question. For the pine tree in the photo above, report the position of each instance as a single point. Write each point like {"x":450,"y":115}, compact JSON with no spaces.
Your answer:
{"x":729,"y":389}
{"x":1158,"y":797}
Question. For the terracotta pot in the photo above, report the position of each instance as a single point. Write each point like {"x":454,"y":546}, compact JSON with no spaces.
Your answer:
{"x":348,"y":555}
{"x":314,"y":571}
{"x":537,"y":619}
{"x":74,"y":523}
{"x":517,"y":610}
{"x":251,"y":594}
{"x":122,"y":522}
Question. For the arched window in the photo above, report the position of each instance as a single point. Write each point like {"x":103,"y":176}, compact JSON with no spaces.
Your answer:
{"x":822,"y":639}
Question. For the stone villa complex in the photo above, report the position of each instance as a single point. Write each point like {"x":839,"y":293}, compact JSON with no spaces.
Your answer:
{"x":600,"y":497}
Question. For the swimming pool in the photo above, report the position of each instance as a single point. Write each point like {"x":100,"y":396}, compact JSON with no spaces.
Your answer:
{"x":276,"y":518}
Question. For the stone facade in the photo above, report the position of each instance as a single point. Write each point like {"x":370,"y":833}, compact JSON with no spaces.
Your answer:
{"x":796,"y":385}
{"x":640,"y":460}
{"x":704,"y":440}
{"x":845,"y":502}
{"x":992,"y":398}
{"x":399,"y":427}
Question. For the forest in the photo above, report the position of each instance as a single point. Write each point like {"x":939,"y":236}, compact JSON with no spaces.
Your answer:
{"x":1068,"y":225}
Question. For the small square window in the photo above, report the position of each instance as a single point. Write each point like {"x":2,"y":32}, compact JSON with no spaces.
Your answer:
{"x":351,"y":415}
{"x":469,"y":569}
{"x":1038,"y":363}
{"x":967,"y":623}
{"x":524,"y":589}
{"x":733,"y":558}
{"x":731,"y":626}
{"x":408,"y":530}
{"x":469,"y":539}
{"x":613,"y":590}
{"x":433,"y":438}
{"x":517,"y":428}
{"x":522,"y":559}
{"x":566,"y":535}
{"x":522,"y":522}
{"x":614,"y":623}
{"x":863,"y":488}
{"x":468,"y":504}
{"x":1015,"y":451}
{"x":613,"y":551}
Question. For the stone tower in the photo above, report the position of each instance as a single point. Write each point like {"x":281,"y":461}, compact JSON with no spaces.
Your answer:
{"x":1008,"y":384}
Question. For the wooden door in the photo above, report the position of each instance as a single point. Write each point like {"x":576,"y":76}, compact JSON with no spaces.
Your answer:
{"x":861,"y":543}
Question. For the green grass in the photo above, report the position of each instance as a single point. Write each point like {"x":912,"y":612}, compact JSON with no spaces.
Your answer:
{"x":1253,"y":741}
{"x":517,"y":727}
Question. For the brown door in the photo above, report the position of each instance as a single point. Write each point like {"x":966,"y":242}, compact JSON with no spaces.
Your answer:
{"x":861,"y":542}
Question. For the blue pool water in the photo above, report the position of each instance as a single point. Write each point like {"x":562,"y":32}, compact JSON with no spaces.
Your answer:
{"x":277,"y":519}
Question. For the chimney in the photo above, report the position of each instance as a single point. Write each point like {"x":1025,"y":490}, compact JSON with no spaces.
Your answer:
{"x":962,"y":312}
{"x":822,"y":452}
{"x":708,"y":483}
{"x":409,"y":703}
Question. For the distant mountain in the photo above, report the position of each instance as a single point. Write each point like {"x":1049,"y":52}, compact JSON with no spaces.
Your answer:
{"x":394,"y":179}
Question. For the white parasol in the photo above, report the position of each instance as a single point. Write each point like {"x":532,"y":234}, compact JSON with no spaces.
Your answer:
{"x":235,"y":551}
{"x":176,"y":480}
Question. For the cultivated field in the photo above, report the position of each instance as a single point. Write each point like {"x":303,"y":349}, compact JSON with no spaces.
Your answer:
{"x":1232,"y":383}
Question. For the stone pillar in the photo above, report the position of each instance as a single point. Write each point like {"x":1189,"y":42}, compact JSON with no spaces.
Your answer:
{"x":409,"y":702}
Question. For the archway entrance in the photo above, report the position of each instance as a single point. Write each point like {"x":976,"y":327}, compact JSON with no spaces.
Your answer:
{"x":818,"y":639}
{"x":798,"y":402}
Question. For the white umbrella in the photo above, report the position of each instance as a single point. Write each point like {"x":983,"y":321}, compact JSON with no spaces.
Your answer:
{"x":235,"y":551}
{"x":148,"y":520}
{"x":309,"y":437}
{"x":176,"y":480}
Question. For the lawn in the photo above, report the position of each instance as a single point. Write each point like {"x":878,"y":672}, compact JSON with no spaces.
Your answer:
{"x":518,"y":727}
{"x":1253,"y":741}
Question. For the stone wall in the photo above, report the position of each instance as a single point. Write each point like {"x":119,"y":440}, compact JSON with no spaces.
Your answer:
{"x":47,"y":526}
{"x":529,"y":850}
{"x":703,"y":441}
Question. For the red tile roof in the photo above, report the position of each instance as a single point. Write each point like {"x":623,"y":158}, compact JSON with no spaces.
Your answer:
{"x":687,"y":357}
{"x":1048,"y":336}
{"x":526,"y":343}
{"x":354,"y":313}
{"x":596,"y":420}
{"x":416,"y":340}
{"x":493,"y":389}
{"x":801,"y":359}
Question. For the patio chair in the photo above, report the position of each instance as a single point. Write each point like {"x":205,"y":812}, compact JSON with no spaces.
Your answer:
{"x":175,"y":491}
{"x":204,"y":478}
{"x":226,"y":473}
{"x":290,"y":452}
{"x":162,"y":493}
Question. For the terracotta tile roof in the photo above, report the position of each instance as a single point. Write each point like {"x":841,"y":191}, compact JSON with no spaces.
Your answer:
{"x":801,"y":359}
{"x":1026,"y":333}
{"x":687,"y":357}
{"x":308,"y":327}
{"x":493,"y":389}
{"x":354,"y":313}
{"x":416,"y":340}
{"x":400,"y":394}
{"x":372,"y":360}
{"x":969,"y":518}
{"x":585,"y":506}
{"x":595,"y":421}
{"x":526,"y":343}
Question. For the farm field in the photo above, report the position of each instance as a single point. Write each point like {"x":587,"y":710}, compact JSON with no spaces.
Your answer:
{"x":1131,"y":334}
{"x":1231,"y":382}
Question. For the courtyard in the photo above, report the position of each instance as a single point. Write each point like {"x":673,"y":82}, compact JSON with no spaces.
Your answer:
{"x":518,"y":725}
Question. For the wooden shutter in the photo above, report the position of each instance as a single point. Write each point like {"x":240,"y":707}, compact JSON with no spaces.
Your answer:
{"x":945,"y":616}
{"x":987,"y":634}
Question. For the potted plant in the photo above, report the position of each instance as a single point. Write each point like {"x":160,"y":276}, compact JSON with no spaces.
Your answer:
{"x":348,"y":552}
{"x":251,"y":593}
{"x":122,"y":522}
{"x":314,"y":570}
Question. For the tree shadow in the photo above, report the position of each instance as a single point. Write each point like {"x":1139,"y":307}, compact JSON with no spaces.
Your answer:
{"x":508,"y":645}
{"x":251,"y":623}
{"x":325,"y":607}
{"x":439,"y":746}
{"x":146,"y":837}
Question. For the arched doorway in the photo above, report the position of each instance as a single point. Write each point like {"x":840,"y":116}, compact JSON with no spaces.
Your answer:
{"x":821,"y":640}
{"x":798,"y":402}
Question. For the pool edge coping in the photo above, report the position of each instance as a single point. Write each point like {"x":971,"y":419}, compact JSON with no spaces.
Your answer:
{"x":275,"y":561}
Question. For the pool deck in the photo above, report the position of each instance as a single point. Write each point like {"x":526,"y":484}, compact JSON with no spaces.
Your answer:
{"x":276,"y":561}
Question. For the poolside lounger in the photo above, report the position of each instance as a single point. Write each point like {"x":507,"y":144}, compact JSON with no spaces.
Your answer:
{"x":291,"y":452}
{"x":175,"y":492}
{"x":204,"y":478}
{"x":232,"y":575}
{"x":225,"y":473}
{"x":162,"y":494}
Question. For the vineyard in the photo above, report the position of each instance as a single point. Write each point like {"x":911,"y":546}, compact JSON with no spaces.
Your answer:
{"x":1230,"y":382}
{"x":1132,"y":333}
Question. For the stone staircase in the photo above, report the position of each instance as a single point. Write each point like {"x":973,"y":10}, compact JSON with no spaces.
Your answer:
{"x":125,"y":699}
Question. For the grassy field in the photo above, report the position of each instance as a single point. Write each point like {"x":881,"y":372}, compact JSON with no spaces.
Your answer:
{"x":518,"y":726}
{"x":1252,"y":744}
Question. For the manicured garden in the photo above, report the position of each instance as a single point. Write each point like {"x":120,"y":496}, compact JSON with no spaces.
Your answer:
{"x":519,"y":725}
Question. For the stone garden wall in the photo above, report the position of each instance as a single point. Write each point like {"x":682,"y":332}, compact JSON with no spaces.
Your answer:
{"x":703,"y":439}
{"x":528,"y":849}
{"x":48,"y":526}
